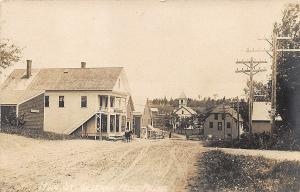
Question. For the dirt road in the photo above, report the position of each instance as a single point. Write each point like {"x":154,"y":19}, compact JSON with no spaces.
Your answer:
{"x":87,"y":165}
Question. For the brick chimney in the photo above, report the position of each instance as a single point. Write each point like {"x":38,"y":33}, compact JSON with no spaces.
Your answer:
{"x":83,"y":64}
{"x":28,"y":71}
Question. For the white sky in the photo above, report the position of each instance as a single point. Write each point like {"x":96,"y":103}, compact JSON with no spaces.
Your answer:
{"x":166,"y":47}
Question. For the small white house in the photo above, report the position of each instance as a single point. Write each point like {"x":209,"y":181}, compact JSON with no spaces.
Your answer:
{"x":261,"y":119}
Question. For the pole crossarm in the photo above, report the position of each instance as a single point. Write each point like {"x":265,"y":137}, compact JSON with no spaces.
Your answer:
{"x":248,"y":62}
{"x":243,"y":71}
{"x":283,"y":37}
{"x":250,"y":70}
{"x":260,"y":50}
{"x":256,"y":50}
{"x":255,"y":71}
{"x":288,"y":50}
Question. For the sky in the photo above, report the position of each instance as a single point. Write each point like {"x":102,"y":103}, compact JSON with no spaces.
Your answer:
{"x":166,"y":47}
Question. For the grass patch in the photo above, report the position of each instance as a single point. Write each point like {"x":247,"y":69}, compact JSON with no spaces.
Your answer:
{"x":218,"y":171}
{"x":35,"y":133}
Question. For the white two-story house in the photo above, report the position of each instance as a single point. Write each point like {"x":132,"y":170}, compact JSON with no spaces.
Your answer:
{"x":223,"y":123}
{"x":82,"y":101}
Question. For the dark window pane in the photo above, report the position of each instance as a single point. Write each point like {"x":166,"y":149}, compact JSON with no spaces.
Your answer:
{"x":118,"y":123}
{"x":219,"y":126}
{"x":46,"y":101}
{"x":216,"y":116}
{"x":112,"y":99}
{"x":228,"y":125}
{"x":61,"y":102}
{"x":83,"y":101}
{"x":103,"y":123}
{"x":211,"y":124}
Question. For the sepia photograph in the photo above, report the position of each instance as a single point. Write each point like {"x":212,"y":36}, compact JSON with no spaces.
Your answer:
{"x":149,"y":95}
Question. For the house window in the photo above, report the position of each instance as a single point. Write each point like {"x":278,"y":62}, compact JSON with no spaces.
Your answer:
{"x":103,"y":123}
{"x":46,"y":101}
{"x":83,"y":101}
{"x":181,"y":101}
{"x":112,"y":100}
{"x":101,"y":101}
{"x":61,"y":101}
{"x":182,"y":112}
{"x":228,"y":125}
{"x":216,"y":116}
{"x":112,"y":123}
{"x":220,"y":126}
{"x":128,"y":125}
{"x":211,"y":124}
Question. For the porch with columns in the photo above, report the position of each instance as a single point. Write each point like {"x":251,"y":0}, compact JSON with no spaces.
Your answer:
{"x":109,"y":120}
{"x":111,"y":116}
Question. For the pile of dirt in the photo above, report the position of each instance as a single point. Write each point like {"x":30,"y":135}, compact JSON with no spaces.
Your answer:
{"x":218,"y":171}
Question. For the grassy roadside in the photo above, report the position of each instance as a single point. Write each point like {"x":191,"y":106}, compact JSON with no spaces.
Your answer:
{"x":218,"y":171}
{"x":34,"y":133}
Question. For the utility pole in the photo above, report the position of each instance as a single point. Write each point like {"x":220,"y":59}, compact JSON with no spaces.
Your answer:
{"x":224,"y":119}
{"x":274,"y":81}
{"x":274,"y":50}
{"x":250,"y":70}
{"x":238,"y":117}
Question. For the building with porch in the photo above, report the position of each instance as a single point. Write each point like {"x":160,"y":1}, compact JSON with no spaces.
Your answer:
{"x":82,"y":101}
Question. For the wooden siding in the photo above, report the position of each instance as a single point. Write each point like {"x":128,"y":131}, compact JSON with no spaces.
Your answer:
{"x":214,"y":131}
{"x":261,"y":126}
{"x":33,"y":111}
{"x":137,"y":125}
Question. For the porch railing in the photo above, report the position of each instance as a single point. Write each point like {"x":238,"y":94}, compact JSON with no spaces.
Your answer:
{"x":112,"y":109}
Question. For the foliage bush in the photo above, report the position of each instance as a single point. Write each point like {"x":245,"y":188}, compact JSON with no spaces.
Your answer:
{"x":284,"y":141}
{"x":218,"y":171}
{"x":254,"y":141}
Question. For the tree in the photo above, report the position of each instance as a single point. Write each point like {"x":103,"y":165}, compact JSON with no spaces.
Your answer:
{"x":288,"y":68}
{"x":244,"y":112}
{"x":262,"y":91}
{"x":9,"y":54}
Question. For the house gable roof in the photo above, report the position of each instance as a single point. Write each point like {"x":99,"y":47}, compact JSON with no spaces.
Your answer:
{"x":262,"y":112}
{"x":130,"y":103}
{"x":63,"y":79}
{"x":190,"y":110}
{"x":227,"y":109}
{"x":17,"y":97}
